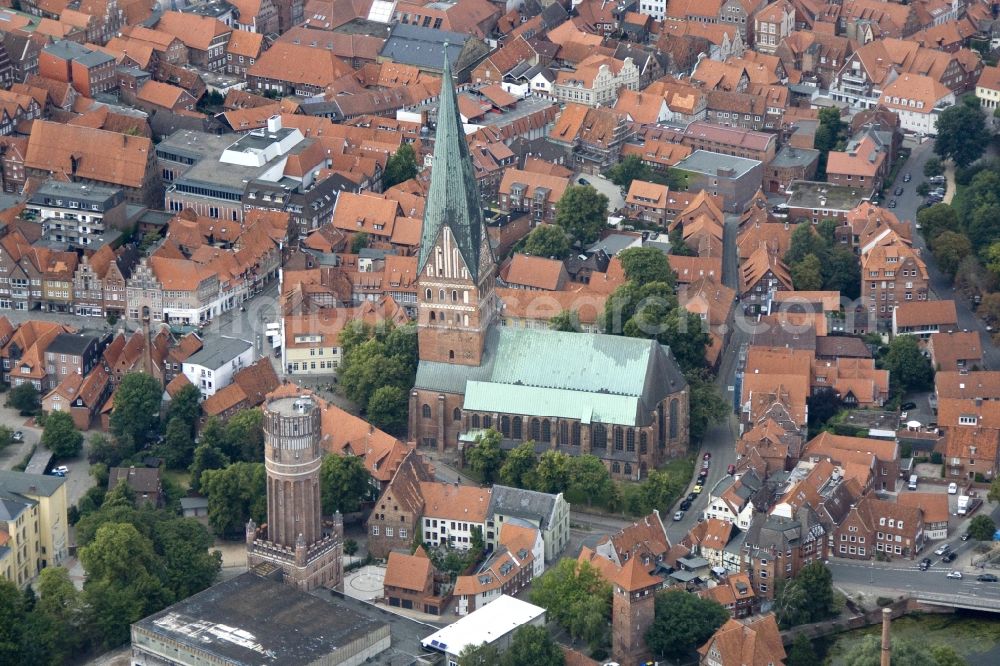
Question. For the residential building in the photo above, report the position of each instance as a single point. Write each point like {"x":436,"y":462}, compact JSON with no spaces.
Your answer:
{"x":535,"y":194}
{"x":530,"y":273}
{"x":204,"y":37}
{"x":734,"y":141}
{"x":861,"y":165}
{"x":967,"y":400}
{"x":730,"y":500}
{"x":78,"y":216}
{"x":100,"y":283}
{"x":595,"y":136}
{"x":762,"y":275}
{"x":777,"y":547}
{"x":410,"y":583}
{"x":91,"y":72}
{"x":934,"y":512}
{"x":24,"y":354}
{"x":956,"y":351}
{"x":143,"y":482}
{"x":772,"y":24}
{"x":880,"y":526}
{"x":83,"y":397}
{"x":855,"y":380}
{"x":988,"y":88}
{"x":918,"y":101}
{"x":923,"y":319}
{"x":648,"y":202}
{"x":817,"y":201}
{"x":879,"y":456}
{"x":756,"y":641}
{"x":894,"y":276}
{"x":248,"y":389}
{"x":212,"y":367}
{"x":734,"y":179}
{"x":396,"y":518}
{"x":734,"y":593}
{"x":596,"y":81}
{"x":33,"y":523}
{"x":515,"y":561}
{"x":546,"y":512}
{"x":972,"y":453}
{"x":453,"y":513}
{"x":74,"y":354}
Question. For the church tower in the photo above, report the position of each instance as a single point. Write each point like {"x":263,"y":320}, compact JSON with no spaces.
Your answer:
{"x":293,"y":538}
{"x":632,"y":611}
{"x":456,"y":301}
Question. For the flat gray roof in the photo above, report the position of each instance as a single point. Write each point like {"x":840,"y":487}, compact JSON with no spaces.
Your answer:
{"x":813,"y":194}
{"x":216,"y":352}
{"x":703,"y":161}
{"x":789,"y":156}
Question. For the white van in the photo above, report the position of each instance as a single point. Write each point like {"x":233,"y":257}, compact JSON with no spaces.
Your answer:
{"x":912,"y":485}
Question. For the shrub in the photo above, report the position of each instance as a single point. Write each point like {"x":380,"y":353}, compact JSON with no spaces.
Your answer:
{"x":882,"y":602}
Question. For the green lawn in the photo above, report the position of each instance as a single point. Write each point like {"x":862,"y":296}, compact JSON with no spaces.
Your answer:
{"x":181,"y":478}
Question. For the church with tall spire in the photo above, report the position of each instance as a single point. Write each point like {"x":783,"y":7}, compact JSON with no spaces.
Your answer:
{"x":624,"y":400}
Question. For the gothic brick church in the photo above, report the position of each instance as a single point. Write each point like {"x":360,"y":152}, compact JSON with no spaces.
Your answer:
{"x":622,"y":399}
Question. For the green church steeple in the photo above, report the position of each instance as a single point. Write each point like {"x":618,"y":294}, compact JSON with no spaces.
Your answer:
{"x":453,"y":200}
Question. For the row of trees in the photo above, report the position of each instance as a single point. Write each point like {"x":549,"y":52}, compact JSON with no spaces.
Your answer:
{"x":529,"y":645}
{"x":582,"y":478}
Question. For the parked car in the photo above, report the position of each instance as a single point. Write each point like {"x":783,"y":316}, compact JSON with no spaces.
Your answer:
{"x":685,"y":505}
{"x":942,"y":549}
{"x":908,"y":405}
{"x":62,"y":469}
{"x":955,"y":574}
{"x":18,"y":436}
{"x":952,"y":488}
{"x":731,"y":470}
{"x":697,"y":489}
{"x":678,"y":515}
{"x":907,"y":178}
{"x":950,"y":557}
{"x":583,"y":181}
{"x":936,"y":179}
{"x":965,"y":537}
{"x":898,"y":191}
{"x":987,"y":578}
{"x":705,"y":464}
{"x":892,"y":203}
{"x":925,"y":564}
{"x":692,"y":497}
{"x":707,"y":456}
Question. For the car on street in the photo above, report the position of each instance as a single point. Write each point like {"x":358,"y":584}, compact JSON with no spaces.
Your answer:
{"x":18,"y":436}
{"x":697,"y":489}
{"x":965,"y":537}
{"x":908,"y":405}
{"x":692,"y":497}
{"x":936,"y":179}
{"x":62,"y":469}
{"x":955,"y":574}
{"x":942,"y":549}
{"x":987,"y":578}
{"x":925,"y":564}
{"x":707,"y":456}
{"x":731,"y":470}
{"x":678,"y":515}
{"x":907,"y":178}
{"x":952,"y":488}
{"x":892,"y":203}
{"x":583,"y":181}
{"x":706,"y":464}
{"x":685,"y":505}
{"x":950,"y":557}
{"x":898,"y":191}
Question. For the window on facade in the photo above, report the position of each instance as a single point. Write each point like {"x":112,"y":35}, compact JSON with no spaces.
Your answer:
{"x":475,"y":420}
{"x":505,"y":426}
{"x":456,"y":415}
{"x":426,"y":411}
{"x":643,"y":442}
{"x":576,"y":434}
{"x":600,"y":435}
{"x":536,"y":431}
{"x":516,"y":428}
{"x":546,"y":431}
{"x":487,"y":421}
{"x":630,"y":441}
{"x":563,"y":433}
{"x":628,"y":469}
{"x":673,"y":418}
{"x":616,"y":468}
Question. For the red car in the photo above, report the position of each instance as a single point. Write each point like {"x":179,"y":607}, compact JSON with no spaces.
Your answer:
{"x":707,"y":456}
{"x":731,"y":470}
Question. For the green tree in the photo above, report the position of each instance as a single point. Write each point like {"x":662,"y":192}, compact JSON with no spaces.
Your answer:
{"x":135,"y":418}
{"x":114,"y":607}
{"x":933,"y":167}
{"x":359,"y":242}
{"x":24,"y":398}
{"x":518,"y":469}
{"x":589,"y":479}
{"x":661,"y":489}
{"x":401,"y":167}
{"x":628,"y":169}
{"x":104,"y":450}
{"x":60,"y":435}
{"x":802,"y":653}
{"x":483,"y":654}
{"x":806,"y":598}
{"x":60,"y":611}
{"x":582,"y":212}
{"x":206,"y":457}
{"x":13,"y":622}
{"x":682,"y":622}
{"x":6,"y":437}
{"x":807,"y":275}
{"x":552,"y":473}
{"x":804,"y":241}
{"x":186,"y":406}
{"x":120,"y":553}
{"x":678,"y":246}
{"x":643,"y":265}
{"x":982,"y":528}
{"x":706,"y":404}
{"x":149,"y":240}
{"x":830,"y":134}
{"x":936,"y":220}
{"x":486,"y":457}
{"x":547,"y":240}
{"x":388,"y":409}
{"x":577,"y":598}
{"x":187,"y":564}
{"x":533,"y":645}
{"x":842,"y":273}
{"x":344,"y":483}
{"x":235,"y":495}
{"x":567,"y":321}
{"x":244,"y":436}
{"x":989,"y":309}
{"x":945,"y":655}
{"x":867,"y":651}
{"x":984,"y":225}
{"x":384,"y":358}
{"x":949,"y":250}
{"x":909,"y":370}
{"x":961,"y":134}
{"x":177,"y":449}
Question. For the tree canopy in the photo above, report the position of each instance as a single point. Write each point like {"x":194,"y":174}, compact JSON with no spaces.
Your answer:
{"x":867,"y":651}
{"x":547,"y":240}
{"x":628,"y":169}
{"x":400,"y":167}
{"x":235,"y":494}
{"x":643,"y":265}
{"x":135,"y":418}
{"x":806,"y":598}
{"x":961,"y":134}
{"x":376,"y":358}
{"x":582,"y":212}
{"x":949,"y":249}
{"x":909,"y":370}
{"x":982,"y":528}
{"x":577,"y":598}
{"x":60,"y":435}
{"x":344,"y":483}
{"x":682,"y":622}
{"x":24,"y":398}
{"x":486,"y":457}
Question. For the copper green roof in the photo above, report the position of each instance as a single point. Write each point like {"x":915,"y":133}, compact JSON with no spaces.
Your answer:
{"x":453,"y":200}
